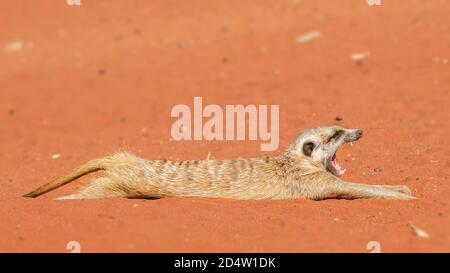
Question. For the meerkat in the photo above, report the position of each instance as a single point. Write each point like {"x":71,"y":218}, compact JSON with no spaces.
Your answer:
{"x":308,"y":168}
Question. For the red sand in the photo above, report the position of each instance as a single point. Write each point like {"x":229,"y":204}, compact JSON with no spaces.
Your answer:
{"x":86,"y":80}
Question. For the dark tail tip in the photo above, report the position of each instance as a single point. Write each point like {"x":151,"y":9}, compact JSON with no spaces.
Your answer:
{"x":30,"y":195}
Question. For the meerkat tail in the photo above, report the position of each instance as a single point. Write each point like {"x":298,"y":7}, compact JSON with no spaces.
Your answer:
{"x":86,"y":168}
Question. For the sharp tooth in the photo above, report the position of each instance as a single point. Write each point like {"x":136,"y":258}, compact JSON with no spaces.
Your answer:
{"x":343,"y":171}
{"x":351,"y":143}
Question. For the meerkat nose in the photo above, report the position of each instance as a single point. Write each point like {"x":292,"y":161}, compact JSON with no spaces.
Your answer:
{"x":359,"y":132}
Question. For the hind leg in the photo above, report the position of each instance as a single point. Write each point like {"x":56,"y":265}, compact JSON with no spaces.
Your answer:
{"x":100,"y":188}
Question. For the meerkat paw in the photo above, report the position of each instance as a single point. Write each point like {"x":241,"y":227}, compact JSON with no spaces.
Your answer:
{"x":401,"y":192}
{"x":70,"y":197}
{"x":405,"y":189}
{"x":78,"y":196}
{"x":396,"y":188}
{"x":403,"y":196}
{"x":400,"y":188}
{"x":100,"y":188}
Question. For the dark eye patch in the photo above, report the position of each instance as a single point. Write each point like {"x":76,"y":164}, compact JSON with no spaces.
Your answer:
{"x":308,"y":148}
{"x":336,"y":135}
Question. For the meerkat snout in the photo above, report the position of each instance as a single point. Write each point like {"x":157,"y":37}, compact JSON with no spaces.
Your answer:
{"x":353,"y":135}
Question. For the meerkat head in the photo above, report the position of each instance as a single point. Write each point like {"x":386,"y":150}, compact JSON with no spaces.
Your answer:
{"x":321,"y":143}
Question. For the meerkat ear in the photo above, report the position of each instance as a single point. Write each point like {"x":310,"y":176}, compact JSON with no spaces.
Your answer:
{"x":308,"y":147}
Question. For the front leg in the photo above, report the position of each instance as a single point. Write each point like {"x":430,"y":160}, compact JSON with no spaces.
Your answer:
{"x":399,"y":188}
{"x":348,"y":190}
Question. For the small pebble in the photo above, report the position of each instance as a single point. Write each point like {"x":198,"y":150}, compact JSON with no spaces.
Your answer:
{"x":56,"y":156}
{"x":183,"y":44}
{"x":307,"y":37}
{"x":376,"y":170}
{"x":339,"y":118}
{"x":144,"y":131}
{"x":15,"y":46}
{"x":358,"y":58}
{"x":418,"y":232}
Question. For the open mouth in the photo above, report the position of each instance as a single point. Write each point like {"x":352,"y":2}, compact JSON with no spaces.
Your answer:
{"x":333,"y":166}
{"x":336,"y":168}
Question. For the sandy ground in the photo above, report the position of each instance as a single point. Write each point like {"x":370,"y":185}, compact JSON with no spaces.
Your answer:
{"x":87,"y":81}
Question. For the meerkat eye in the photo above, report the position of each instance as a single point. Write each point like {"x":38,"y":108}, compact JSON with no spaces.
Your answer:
{"x":337,"y":134}
{"x":308,"y":148}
